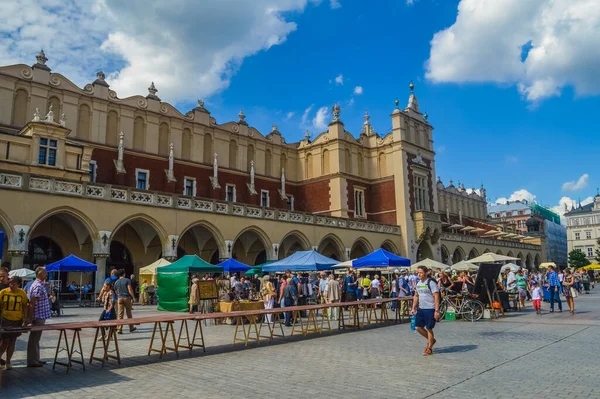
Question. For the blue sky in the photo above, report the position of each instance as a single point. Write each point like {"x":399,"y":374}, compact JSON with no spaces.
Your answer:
{"x":520,"y":122}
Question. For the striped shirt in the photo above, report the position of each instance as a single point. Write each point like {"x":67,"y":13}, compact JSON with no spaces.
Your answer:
{"x":42,"y":306}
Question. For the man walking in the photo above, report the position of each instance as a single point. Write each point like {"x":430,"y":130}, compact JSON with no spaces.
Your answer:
{"x":553,"y":289}
{"x":125,"y":297}
{"x":40,"y":305}
{"x":3,"y":285}
{"x":332,"y":293}
{"x":351,"y":287}
{"x":426,"y":305}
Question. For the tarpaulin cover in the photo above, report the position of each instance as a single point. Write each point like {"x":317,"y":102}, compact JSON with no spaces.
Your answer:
{"x":233,"y":266}
{"x":190,"y":264}
{"x":172,"y":291}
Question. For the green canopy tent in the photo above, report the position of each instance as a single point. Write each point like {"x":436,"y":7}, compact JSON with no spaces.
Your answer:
{"x":258,"y":269}
{"x":173,"y":281}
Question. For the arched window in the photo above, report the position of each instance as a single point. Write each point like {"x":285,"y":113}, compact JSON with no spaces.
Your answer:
{"x":325,"y":164}
{"x":163,"y":140}
{"x":309,"y":166}
{"x":139,"y":130}
{"x":249,"y":156}
{"x":186,"y":144}
{"x":20,"y":108}
{"x":233,"y":154}
{"x":83,"y":125}
{"x":208,"y":151}
{"x":112,"y":129}
{"x":55,"y":102}
{"x":283,"y":161}
{"x":348,"y":166}
{"x":381,"y":164}
{"x":361,"y":166}
{"x":268,"y":162}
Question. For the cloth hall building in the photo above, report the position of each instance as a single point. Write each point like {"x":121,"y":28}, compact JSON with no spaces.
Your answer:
{"x":125,"y":181}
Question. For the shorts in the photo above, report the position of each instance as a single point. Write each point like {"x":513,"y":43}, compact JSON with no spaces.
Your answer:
{"x":11,"y":325}
{"x":425,"y":318}
{"x":522,"y":292}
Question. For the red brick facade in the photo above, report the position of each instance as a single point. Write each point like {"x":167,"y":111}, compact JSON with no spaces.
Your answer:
{"x":310,"y":197}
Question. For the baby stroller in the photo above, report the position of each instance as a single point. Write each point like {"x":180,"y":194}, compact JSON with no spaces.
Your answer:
{"x":55,"y":306}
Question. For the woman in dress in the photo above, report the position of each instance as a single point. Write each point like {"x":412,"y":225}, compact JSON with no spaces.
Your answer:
{"x":194,"y":296}
{"x":568,"y":287}
{"x":268,"y":295}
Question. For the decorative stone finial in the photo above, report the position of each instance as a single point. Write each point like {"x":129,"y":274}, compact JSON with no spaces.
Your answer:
{"x":63,"y":120}
{"x":36,"y":115}
{"x":41,"y":57}
{"x":282,"y":189}
{"x":152,"y":92}
{"x":425,"y":116}
{"x":335,"y":110}
{"x":397,"y":103}
{"x":214,"y":179}
{"x":242,"y":118}
{"x":200,"y":103}
{"x":366,"y":117}
{"x":274,"y":128}
{"x":41,"y":61}
{"x":411,"y":86}
{"x":251,"y":184}
{"x":120,"y":150}
{"x":307,"y":136}
{"x":367,"y":128}
{"x":170,"y":171}
{"x":451,"y":183}
{"x":100,"y":79}
{"x":439,"y":179}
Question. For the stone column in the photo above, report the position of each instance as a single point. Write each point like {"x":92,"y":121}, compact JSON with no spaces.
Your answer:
{"x":15,"y":257}
{"x":101,"y":271}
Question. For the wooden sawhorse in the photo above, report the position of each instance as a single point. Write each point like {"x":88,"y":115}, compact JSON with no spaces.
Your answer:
{"x":164,"y":334}
{"x":107,"y":334}
{"x":70,"y":349}
{"x":275,"y":319}
{"x":191,"y":344}
{"x":239,"y":321}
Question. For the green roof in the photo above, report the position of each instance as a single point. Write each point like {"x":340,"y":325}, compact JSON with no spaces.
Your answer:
{"x":190,"y":264}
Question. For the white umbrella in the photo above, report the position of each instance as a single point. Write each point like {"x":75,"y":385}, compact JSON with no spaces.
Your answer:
{"x":512,"y":267}
{"x":430,"y":264}
{"x":23,"y":273}
{"x":491,"y":257}
{"x":464,"y":266}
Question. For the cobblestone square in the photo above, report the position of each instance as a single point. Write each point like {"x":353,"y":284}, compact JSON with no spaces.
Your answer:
{"x":521,"y":355}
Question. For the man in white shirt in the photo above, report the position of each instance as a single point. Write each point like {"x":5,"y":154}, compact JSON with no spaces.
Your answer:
{"x":426,"y":305}
{"x":561,"y":276}
{"x":511,"y":280}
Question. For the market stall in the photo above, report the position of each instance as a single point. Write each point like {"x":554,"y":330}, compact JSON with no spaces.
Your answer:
{"x":380,"y":259}
{"x":233,"y":266}
{"x":174,"y":281}
{"x":148,"y":273}
{"x":301,"y":261}
{"x":74,"y":264}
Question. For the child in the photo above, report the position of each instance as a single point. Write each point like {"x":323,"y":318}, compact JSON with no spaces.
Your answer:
{"x":536,"y":296}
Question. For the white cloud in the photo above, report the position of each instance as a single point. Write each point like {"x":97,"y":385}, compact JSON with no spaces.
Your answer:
{"x":410,"y":2}
{"x":441,"y":149}
{"x":576,"y":185}
{"x":334,"y":4}
{"x":570,"y":203}
{"x":518,"y":195}
{"x":320,"y":119}
{"x":485,"y":44}
{"x":289,"y":115}
{"x":189,"y":51}
{"x":358,"y":90}
{"x":350,"y":102}
{"x":511,"y":159}
{"x":339,"y":80}
{"x":305,"y":115}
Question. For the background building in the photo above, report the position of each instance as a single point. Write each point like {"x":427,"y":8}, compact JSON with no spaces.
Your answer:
{"x":583,"y":228}
{"x":124,"y":181}
{"x":518,"y":215}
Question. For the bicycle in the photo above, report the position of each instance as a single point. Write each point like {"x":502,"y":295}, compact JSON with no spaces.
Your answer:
{"x":470,"y":309}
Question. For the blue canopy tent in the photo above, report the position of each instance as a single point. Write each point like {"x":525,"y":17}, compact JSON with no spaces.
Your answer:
{"x":74,"y":264}
{"x":301,"y":261}
{"x":71,"y":264}
{"x":233,"y":266}
{"x":380,"y":258}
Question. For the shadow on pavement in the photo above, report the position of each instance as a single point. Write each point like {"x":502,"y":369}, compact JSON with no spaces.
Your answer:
{"x":455,"y":349}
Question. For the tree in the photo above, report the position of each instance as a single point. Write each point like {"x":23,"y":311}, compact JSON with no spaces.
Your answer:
{"x":578,"y":259}
{"x":598,"y":251}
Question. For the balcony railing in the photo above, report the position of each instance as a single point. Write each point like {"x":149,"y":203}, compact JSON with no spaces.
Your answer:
{"x":488,"y":241}
{"x":121,"y":194}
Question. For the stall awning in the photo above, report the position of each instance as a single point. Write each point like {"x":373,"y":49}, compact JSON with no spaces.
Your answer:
{"x":302,"y":261}
{"x":71,"y":264}
{"x":381,"y":258}
{"x":190,"y":264}
{"x":233,"y":266}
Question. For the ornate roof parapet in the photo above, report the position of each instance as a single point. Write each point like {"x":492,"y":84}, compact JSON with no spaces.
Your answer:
{"x":41,"y":60}
{"x":152,"y":93}
{"x":100,"y":79}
